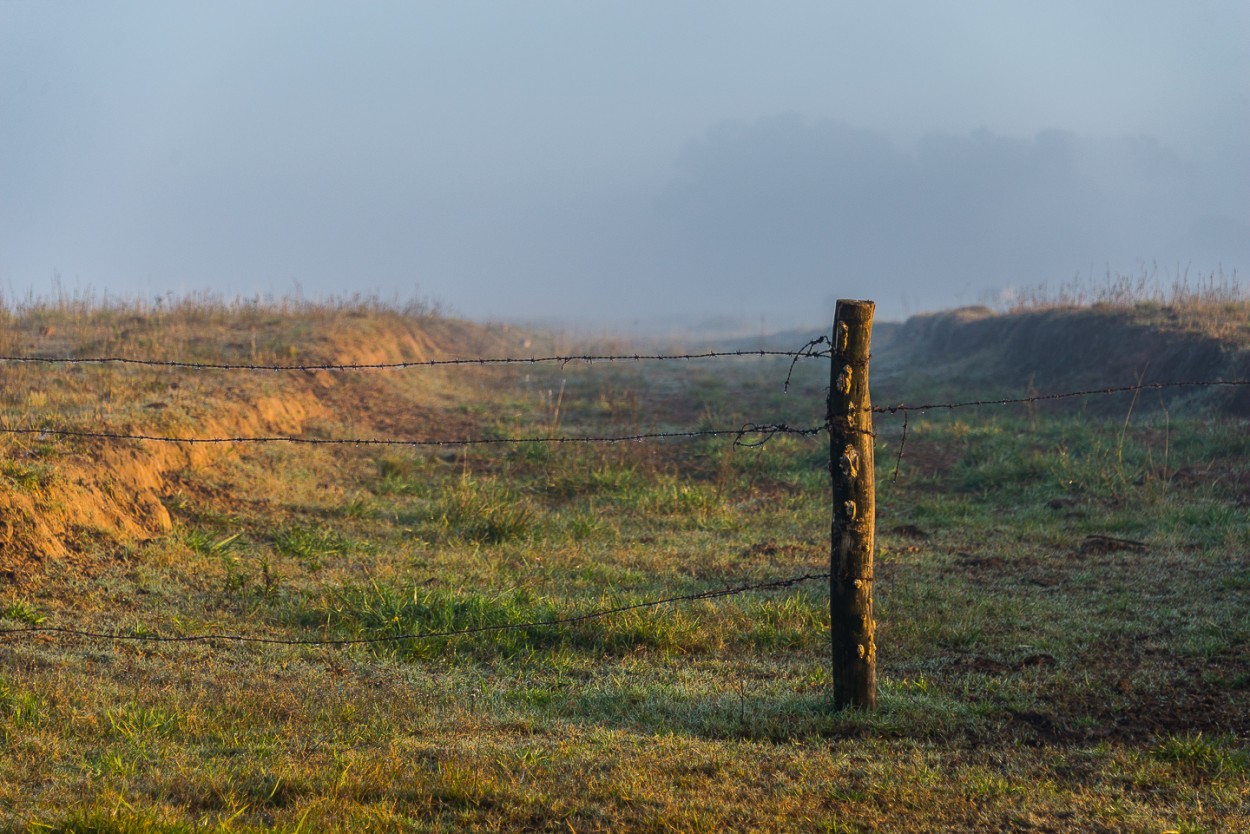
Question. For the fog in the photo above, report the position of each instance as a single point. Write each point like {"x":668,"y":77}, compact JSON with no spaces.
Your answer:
{"x":626,"y":165}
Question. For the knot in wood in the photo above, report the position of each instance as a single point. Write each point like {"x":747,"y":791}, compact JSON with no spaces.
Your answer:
{"x":844,"y":380}
{"x":849,"y":463}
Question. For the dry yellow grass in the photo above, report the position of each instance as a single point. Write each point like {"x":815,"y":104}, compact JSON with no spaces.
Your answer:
{"x":63,"y":495}
{"x":1025,"y":686}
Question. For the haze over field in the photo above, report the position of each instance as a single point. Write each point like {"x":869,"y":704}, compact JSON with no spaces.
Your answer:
{"x":624,"y":162}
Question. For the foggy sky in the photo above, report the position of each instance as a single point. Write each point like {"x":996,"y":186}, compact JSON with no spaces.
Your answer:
{"x":611,"y":163}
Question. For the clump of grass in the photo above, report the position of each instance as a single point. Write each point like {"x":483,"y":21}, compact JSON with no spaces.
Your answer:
{"x":590,"y":526}
{"x":696,"y":504}
{"x":788,"y":622}
{"x":377,"y":610}
{"x":19,"y":708}
{"x":310,"y":545}
{"x":1213,"y":756}
{"x":133,"y":722}
{"x":513,"y":623}
{"x":592,"y":479}
{"x":23,"y":612}
{"x":402,"y":476}
{"x":207,"y":543}
{"x":482,"y":511}
{"x":32,"y":478}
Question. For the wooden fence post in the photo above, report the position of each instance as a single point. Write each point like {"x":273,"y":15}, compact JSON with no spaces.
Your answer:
{"x":853,"y":628}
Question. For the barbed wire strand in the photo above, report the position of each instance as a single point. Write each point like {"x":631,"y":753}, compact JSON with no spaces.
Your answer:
{"x":776,"y":584}
{"x":898,"y":460}
{"x":766,"y":431}
{"x":423,"y":363}
{"x":902,"y":407}
{"x":806,"y":351}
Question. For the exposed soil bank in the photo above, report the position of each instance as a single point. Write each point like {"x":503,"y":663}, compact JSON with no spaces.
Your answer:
{"x":73,"y":500}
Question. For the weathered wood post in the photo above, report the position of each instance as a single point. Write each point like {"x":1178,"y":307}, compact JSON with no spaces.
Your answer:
{"x":853,"y":628}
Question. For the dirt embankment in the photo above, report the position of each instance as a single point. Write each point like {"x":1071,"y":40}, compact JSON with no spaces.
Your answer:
{"x":1070,"y":349}
{"x":69,"y":501}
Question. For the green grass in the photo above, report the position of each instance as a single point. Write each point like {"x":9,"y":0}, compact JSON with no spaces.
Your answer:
{"x":1031,"y":676}
{"x":28,"y":477}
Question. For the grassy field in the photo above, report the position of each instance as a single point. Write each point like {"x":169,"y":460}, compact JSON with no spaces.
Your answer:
{"x":1063,"y":600}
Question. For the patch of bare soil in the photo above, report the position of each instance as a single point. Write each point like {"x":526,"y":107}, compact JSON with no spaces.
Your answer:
{"x":1191,"y":697}
{"x":106,"y":494}
{"x":1187,"y":706}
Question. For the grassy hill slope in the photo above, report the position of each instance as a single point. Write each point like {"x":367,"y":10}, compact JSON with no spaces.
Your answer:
{"x":1060,"y":599}
{"x":973,"y":351}
{"x":61,"y":497}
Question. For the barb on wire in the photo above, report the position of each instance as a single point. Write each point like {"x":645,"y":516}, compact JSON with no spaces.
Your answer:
{"x":768,"y":432}
{"x":737,"y":434}
{"x":424,"y":363}
{"x":898,"y":461}
{"x":31,"y":631}
{"x":903,"y":407}
{"x":806,"y":350}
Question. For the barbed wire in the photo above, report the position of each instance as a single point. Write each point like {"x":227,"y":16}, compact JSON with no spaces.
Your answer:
{"x":1121,"y":389}
{"x":588,"y":359}
{"x":776,"y":584}
{"x":765,"y":431}
{"x":805,"y":351}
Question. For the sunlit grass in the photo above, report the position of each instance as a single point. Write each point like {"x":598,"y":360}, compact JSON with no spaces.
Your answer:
{"x":1031,"y":677}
